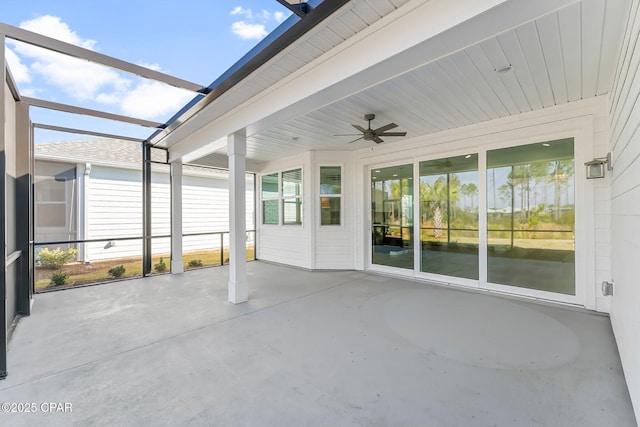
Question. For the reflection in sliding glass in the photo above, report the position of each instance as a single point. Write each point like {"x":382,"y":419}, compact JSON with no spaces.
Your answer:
{"x":392,"y":214}
{"x":531,"y":216}
{"x":449,"y":216}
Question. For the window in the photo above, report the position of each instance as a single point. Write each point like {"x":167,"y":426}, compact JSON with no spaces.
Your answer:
{"x":285,"y":186}
{"x":330,"y":195}
{"x":292,"y":197}
{"x":51,"y":203}
{"x":270,"y":211}
{"x":53,"y":186}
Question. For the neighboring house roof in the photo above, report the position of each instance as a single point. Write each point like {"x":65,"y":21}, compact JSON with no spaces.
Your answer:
{"x":114,"y":153}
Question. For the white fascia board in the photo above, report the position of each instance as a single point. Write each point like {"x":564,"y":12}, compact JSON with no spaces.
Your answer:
{"x":407,"y":38}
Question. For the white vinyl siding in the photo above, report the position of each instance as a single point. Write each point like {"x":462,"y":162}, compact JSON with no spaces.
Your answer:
{"x":114,"y":209}
{"x":625,"y":204}
{"x":291,"y":245}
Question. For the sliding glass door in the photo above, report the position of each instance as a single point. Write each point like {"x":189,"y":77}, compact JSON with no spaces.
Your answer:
{"x":449,"y":216}
{"x":531,"y":216}
{"x":392,"y":216}
{"x":527,"y":199}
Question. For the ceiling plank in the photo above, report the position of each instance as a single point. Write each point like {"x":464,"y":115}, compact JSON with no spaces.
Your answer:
{"x":570,"y":29}
{"x":593,"y":15}
{"x":511,"y":46}
{"x":498,"y":60}
{"x":549,"y":36}
{"x":614,"y":19}
{"x":485,"y":69}
{"x":528,"y":39}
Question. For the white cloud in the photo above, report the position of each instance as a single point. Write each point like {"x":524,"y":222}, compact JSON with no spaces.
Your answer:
{"x":19,"y":71}
{"x":53,"y":27}
{"x":254,"y":25}
{"x":152,"y":99}
{"x":279,"y":17}
{"x":84,"y":81}
{"x":239,"y":10}
{"x":30,"y":92}
{"x":79,"y":79}
{"x":248,"y":31}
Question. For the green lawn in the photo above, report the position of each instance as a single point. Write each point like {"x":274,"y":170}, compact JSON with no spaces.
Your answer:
{"x":83,"y":274}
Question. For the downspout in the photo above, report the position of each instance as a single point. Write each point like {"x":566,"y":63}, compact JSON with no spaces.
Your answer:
{"x":83,"y":213}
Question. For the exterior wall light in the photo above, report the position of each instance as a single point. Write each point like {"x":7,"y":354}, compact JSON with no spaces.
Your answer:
{"x":595,"y":168}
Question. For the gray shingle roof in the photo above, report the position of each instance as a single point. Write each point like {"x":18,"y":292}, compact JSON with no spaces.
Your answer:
{"x":111,"y":151}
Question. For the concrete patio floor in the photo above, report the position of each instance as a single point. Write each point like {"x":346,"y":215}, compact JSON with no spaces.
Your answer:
{"x":310,"y":348}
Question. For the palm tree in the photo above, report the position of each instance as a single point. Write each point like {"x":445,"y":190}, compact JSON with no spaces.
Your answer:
{"x":562,"y":171}
{"x":468,"y":190}
{"x":439,"y":196}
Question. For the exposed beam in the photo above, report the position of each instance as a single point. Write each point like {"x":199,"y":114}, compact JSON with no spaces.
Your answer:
{"x":52,"y":44}
{"x":89,"y":112}
{"x":85,"y":132}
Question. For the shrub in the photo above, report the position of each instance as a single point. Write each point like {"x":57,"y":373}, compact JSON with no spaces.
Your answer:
{"x":160,"y":266}
{"x":195,"y":263}
{"x":117,"y":271}
{"x":56,"y":258}
{"x":59,"y":278}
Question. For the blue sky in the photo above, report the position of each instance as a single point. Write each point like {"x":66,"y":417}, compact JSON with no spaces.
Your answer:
{"x":194,"y":40}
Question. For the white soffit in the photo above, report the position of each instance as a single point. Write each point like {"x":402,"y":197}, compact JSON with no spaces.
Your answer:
{"x":565,"y":54}
{"x":337,"y":34}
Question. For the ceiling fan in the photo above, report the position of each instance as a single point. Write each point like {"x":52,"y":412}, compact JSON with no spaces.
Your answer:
{"x":374,"y":134}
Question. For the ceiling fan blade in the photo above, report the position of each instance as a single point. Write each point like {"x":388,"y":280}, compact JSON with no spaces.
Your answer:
{"x":385,"y":128}
{"x":377,"y":140}
{"x":393,"y":134}
{"x":360,"y":128}
{"x":355,"y":140}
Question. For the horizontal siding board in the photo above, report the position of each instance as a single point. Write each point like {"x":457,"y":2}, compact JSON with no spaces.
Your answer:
{"x":115,"y":210}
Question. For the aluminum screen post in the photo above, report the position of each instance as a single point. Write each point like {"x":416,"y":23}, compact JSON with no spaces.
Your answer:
{"x":146,"y":209}
{"x":24,"y":207}
{"x":3,"y":216}
{"x":177,"y":263}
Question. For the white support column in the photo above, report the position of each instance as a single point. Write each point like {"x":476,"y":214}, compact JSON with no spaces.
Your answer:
{"x":237,"y":150}
{"x":177,"y":264}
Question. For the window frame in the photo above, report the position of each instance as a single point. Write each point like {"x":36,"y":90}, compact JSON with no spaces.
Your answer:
{"x":295,"y":197}
{"x":70,"y":186}
{"x":281,"y":198}
{"x":336,"y":196}
{"x":275,"y":198}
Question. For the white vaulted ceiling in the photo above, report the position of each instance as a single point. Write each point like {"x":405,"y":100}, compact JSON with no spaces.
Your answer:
{"x":563,"y":56}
